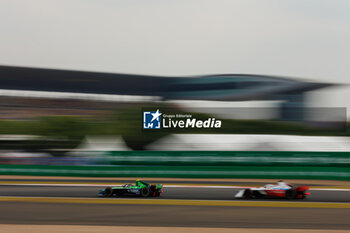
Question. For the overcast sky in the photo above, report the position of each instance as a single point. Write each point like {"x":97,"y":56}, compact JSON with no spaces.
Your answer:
{"x":307,"y":39}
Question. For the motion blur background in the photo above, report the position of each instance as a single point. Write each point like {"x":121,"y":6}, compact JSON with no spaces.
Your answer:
{"x":76,"y":76}
{"x":190,"y":56}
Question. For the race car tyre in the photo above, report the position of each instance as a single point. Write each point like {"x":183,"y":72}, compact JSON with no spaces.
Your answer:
{"x":247,"y":194}
{"x":108,"y":192}
{"x":157,"y":194}
{"x":291,"y":194}
{"x":145,"y":192}
{"x":301,"y":195}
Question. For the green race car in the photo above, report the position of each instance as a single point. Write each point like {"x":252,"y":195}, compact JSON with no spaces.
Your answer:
{"x":141,"y":189}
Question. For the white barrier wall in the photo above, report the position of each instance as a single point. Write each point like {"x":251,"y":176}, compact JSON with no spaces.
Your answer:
{"x":250,"y":142}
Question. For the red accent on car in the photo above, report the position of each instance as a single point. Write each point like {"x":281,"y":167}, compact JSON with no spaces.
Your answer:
{"x":276,"y":192}
{"x":302,"y":188}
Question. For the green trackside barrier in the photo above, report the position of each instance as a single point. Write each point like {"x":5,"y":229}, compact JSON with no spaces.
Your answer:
{"x":273,"y":172}
{"x":228,"y":158}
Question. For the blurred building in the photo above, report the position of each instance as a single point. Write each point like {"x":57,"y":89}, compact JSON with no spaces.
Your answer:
{"x":20,"y":82}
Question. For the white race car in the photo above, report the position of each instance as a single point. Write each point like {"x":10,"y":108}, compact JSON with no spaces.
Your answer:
{"x":279,"y":190}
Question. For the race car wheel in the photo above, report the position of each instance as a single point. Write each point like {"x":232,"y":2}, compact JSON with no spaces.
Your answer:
{"x":145,"y":192}
{"x":301,"y":195}
{"x":291,"y":194}
{"x":108,"y":192}
{"x":247,"y":194}
{"x":157,"y":194}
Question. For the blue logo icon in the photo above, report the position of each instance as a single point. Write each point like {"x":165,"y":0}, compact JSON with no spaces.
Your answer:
{"x":151,"y":120}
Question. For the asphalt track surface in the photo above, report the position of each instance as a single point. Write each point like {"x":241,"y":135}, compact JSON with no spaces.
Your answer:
{"x":190,"y":193}
{"x":22,"y":211}
{"x":185,"y":216}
